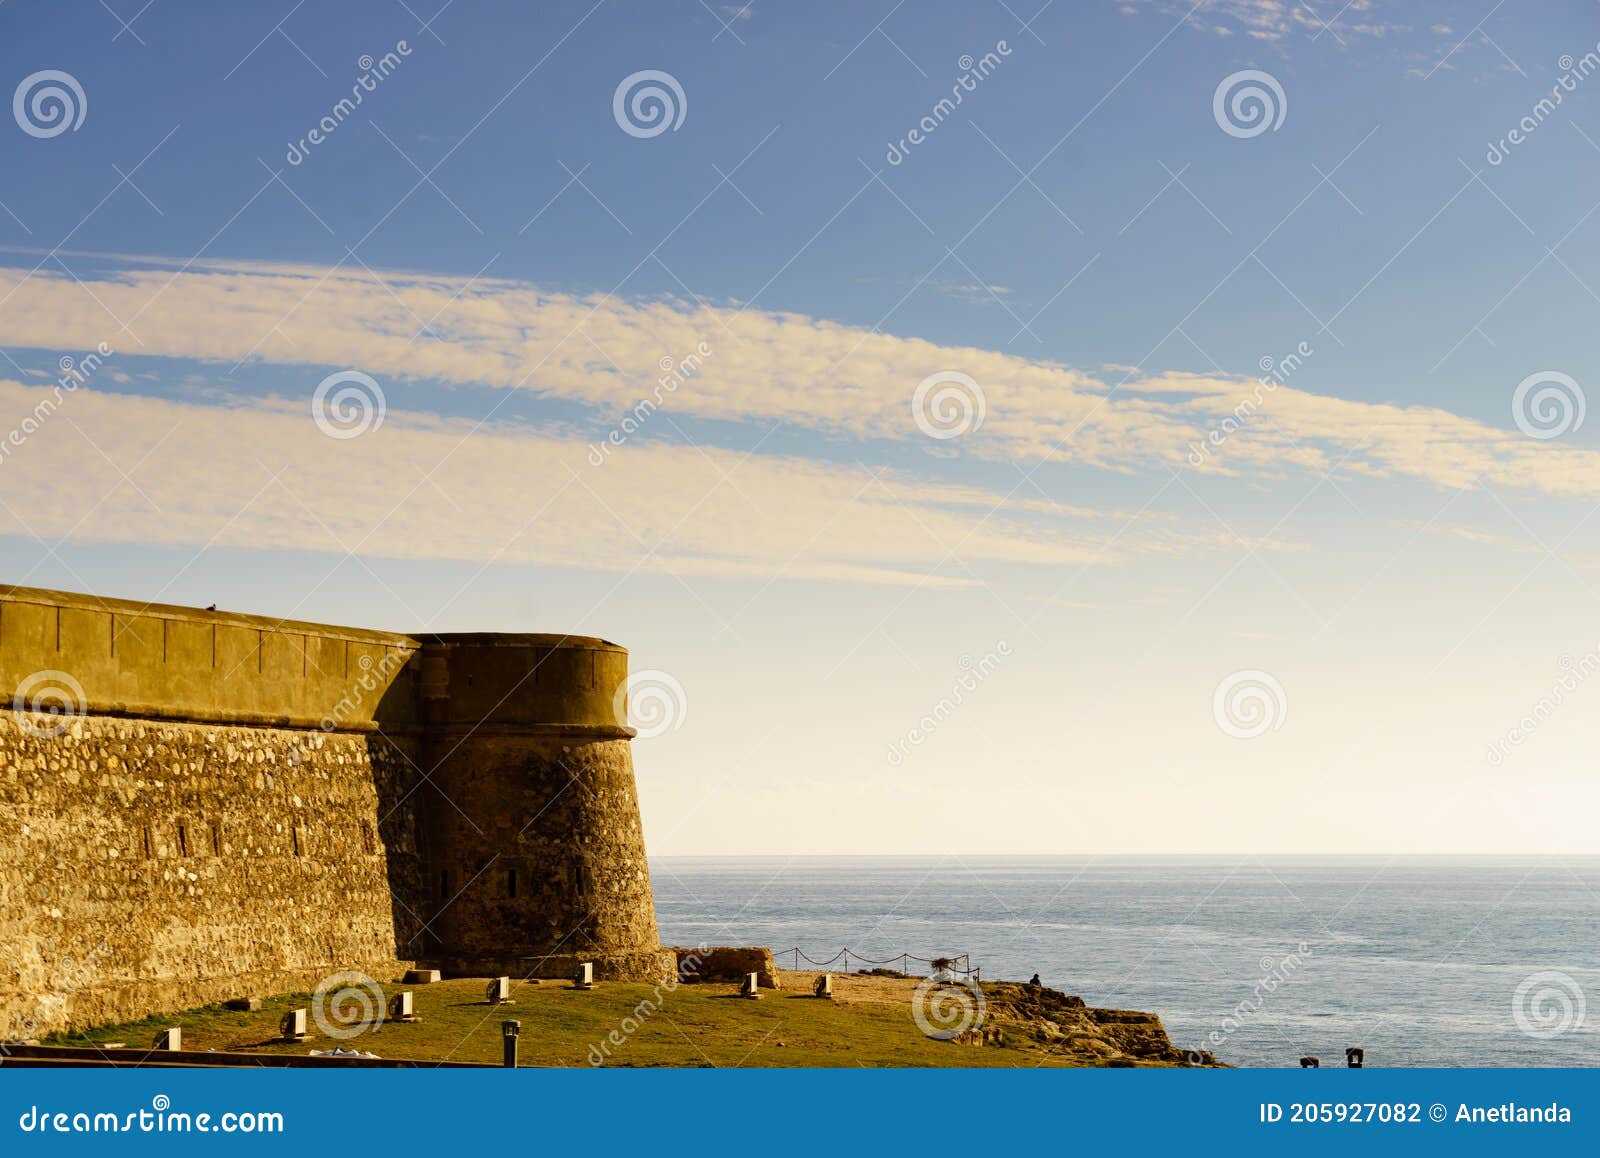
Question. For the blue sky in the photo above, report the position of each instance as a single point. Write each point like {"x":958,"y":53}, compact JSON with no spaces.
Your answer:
{"x":1082,"y":238}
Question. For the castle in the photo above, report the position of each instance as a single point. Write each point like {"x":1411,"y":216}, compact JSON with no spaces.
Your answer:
{"x":198,"y":805}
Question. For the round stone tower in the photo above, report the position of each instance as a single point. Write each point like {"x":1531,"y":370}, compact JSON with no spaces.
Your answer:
{"x":534,"y":857}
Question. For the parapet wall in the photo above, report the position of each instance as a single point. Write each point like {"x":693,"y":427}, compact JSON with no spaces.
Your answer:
{"x":162,"y":662}
{"x":485,"y":682}
{"x":229,"y":805}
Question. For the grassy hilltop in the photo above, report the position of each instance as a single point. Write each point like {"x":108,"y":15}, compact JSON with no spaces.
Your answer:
{"x":868,"y":1023}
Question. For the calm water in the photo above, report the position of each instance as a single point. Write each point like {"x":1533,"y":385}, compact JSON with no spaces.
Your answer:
{"x":1418,"y":960}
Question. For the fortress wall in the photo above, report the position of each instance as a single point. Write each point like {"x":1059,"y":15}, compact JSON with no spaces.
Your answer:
{"x":215,"y":814}
{"x":149,"y":866}
{"x":549,"y":862}
{"x":234,"y":805}
{"x":545,"y":855}
{"x":162,"y":662}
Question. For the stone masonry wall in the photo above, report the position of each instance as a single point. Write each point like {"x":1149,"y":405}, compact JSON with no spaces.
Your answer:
{"x":726,"y":963}
{"x":199,"y":805}
{"x":548,"y":852}
{"x":149,"y":866}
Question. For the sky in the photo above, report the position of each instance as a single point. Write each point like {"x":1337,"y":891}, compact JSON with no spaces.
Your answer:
{"x":993,"y":427}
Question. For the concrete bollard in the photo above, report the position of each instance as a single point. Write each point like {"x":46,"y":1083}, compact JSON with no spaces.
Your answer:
{"x":168,"y":1039}
{"x":824,"y":986}
{"x":1310,"y":1063}
{"x":509,"y":1031}
{"x":585,"y":976}
{"x":293,"y":1025}
{"x":403,"y":1007}
{"x":751,"y":987}
{"x":498,"y":991}
{"x":1355,"y":1058}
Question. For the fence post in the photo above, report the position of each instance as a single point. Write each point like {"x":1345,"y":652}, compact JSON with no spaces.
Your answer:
{"x":509,"y":1031}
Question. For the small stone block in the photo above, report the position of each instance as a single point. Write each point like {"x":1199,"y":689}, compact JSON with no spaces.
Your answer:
{"x":168,"y":1039}
{"x":422,"y":977}
{"x":244,"y":1004}
{"x":751,"y":986}
{"x":402,"y":1008}
{"x":293,"y":1025}
{"x":824,"y":986}
{"x":1310,"y":1063}
{"x":585,"y":976}
{"x":498,"y":991}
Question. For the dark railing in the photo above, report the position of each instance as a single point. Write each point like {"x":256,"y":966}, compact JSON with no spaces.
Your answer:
{"x":960,"y":963}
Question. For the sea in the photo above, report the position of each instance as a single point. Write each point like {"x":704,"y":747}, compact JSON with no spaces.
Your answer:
{"x":1262,"y":961}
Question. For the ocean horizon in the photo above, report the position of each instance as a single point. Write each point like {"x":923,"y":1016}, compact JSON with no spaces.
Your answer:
{"x":1419,"y":960}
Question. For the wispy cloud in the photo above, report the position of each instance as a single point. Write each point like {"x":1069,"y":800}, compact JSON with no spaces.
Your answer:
{"x":115,"y":468}
{"x":1475,"y":535}
{"x":766,"y":367}
{"x":1275,"y":20}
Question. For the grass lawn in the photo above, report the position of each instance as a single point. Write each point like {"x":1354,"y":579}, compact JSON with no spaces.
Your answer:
{"x":869,"y":1023}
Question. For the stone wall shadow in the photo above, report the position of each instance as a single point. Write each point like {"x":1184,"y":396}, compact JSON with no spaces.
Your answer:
{"x":406,"y":798}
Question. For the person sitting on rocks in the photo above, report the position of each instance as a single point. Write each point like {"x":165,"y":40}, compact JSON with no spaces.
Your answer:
{"x":1034,"y":982}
